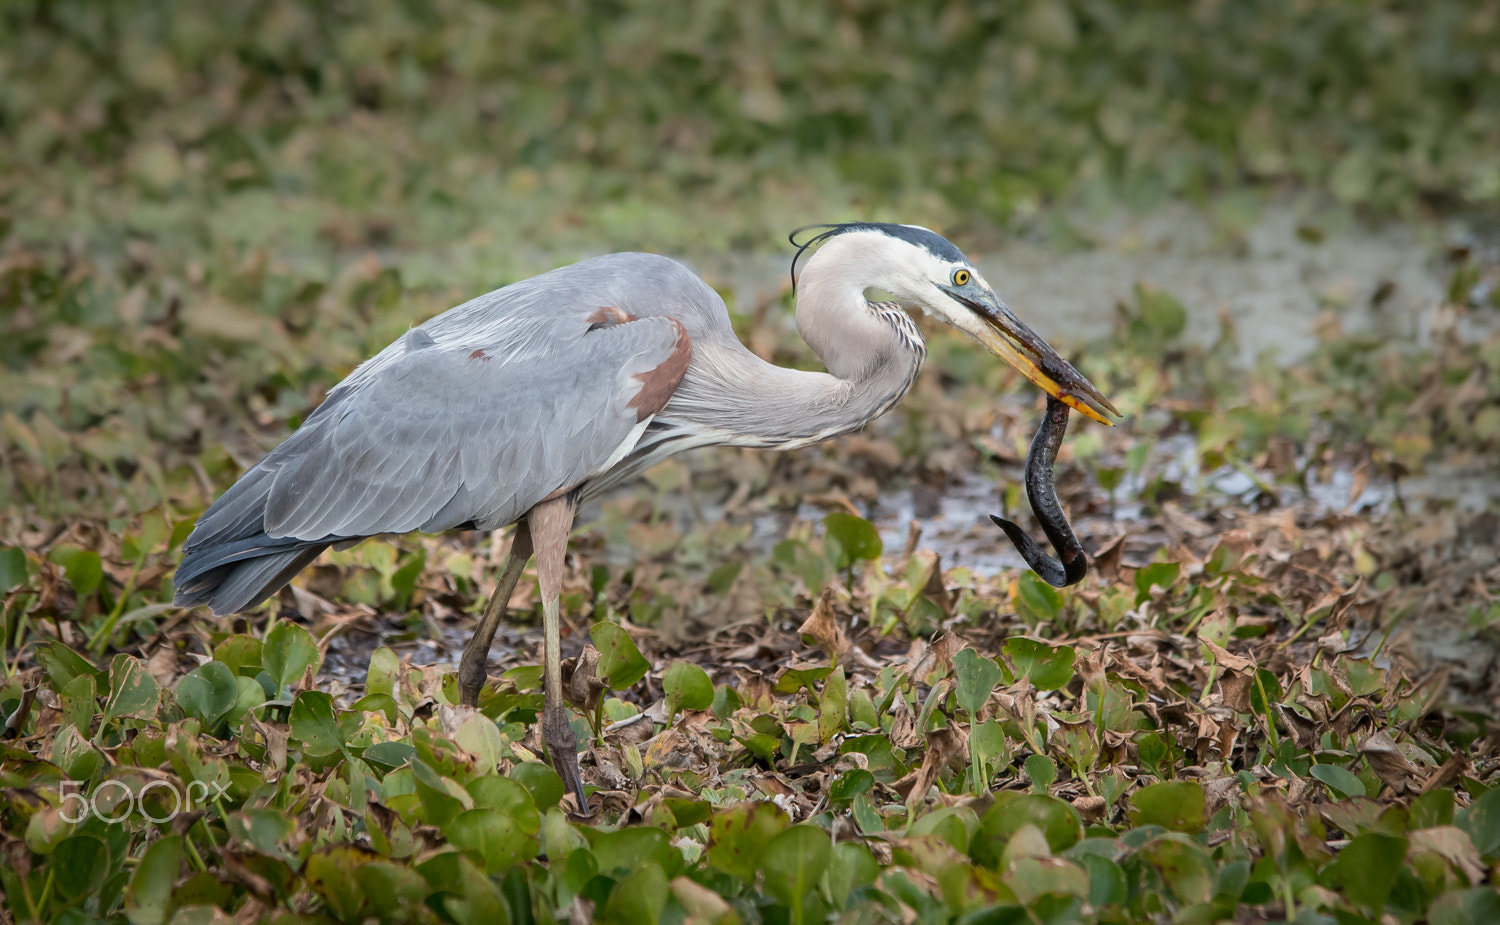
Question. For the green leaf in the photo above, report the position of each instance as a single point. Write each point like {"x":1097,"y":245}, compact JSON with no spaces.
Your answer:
{"x":793,"y":863}
{"x":640,"y":897}
{"x":1161,"y":574}
{"x":687,"y":687}
{"x":740,"y":834}
{"x":977,"y":677}
{"x":334,"y":874}
{"x":541,"y":781}
{"x":1340,"y":781}
{"x":1040,"y":598}
{"x":12,"y":568}
{"x":794,"y":679}
{"x":241,"y":653}
{"x":83,"y":567}
{"x":384,"y":671}
{"x":1178,"y":805}
{"x":851,"y":539}
{"x":1042,"y":772}
{"x":288,"y":653}
{"x":149,"y":895}
{"x":313,"y":724}
{"x":850,"y":784}
{"x":1367,"y":869}
{"x":493,"y":835}
{"x":620,"y":662}
{"x":80,"y":864}
{"x":833,"y":706}
{"x":1048,"y":667}
{"x":1184,"y":865}
{"x":208,"y":692}
{"x":1264,"y":691}
{"x":1056,"y":820}
{"x":132,"y":691}
{"x":1481,"y":819}
{"x":62,"y":665}
{"x":630,"y":848}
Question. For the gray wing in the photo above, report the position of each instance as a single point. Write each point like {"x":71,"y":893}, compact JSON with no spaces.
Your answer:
{"x":459,"y":433}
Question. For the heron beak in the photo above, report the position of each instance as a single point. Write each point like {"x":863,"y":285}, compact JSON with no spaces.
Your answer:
{"x":1007,"y":337}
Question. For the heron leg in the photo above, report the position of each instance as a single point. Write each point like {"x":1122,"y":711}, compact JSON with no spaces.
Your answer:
{"x":551,"y":522}
{"x":472,"y":667}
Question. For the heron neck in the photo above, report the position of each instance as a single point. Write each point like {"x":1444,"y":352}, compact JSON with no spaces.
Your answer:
{"x":872,"y":350}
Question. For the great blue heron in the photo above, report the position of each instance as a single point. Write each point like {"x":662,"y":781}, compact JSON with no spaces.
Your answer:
{"x":522,"y":404}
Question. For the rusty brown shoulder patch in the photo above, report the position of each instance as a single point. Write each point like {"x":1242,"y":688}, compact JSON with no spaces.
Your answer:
{"x":658,"y":384}
{"x":608,"y":315}
{"x":479,"y":355}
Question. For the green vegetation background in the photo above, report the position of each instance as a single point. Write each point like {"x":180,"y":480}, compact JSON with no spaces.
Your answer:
{"x":209,"y":213}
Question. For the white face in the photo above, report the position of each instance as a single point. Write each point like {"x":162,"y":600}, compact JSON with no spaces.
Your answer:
{"x":919,"y":277}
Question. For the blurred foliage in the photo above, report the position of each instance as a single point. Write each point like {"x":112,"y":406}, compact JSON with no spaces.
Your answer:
{"x":210,"y":214}
{"x":409,"y":124}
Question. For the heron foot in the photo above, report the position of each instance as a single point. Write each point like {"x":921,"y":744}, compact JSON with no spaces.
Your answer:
{"x":562,"y":748}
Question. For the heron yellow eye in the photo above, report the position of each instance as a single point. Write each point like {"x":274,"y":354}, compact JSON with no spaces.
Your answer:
{"x":961,"y":277}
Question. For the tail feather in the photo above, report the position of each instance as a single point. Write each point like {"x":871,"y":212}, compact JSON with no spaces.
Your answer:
{"x":229,"y":561}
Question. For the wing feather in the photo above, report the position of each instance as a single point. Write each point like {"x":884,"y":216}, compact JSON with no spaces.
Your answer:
{"x":460,"y":432}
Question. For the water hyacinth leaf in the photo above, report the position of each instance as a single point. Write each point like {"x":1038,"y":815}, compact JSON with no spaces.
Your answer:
{"x":851,"y":539}
{"x":1477,"y":906}
{"x":208,"y":692}
{"x":833,"y":706}
{"x":241,"y":653}
{"x":628,"y":849}
{"x":389,"y":754}
{"x":1058,"y":822}
{"x":1041,"y":599}
{"x":850,"y":784}
{"x":977,"y":677}
{"x":1184,"y":865}
{"x":494,"y":836}
{"x":1042,"y":771}
{"x":382,"y":674}
{"x":132,"y":691}
{"x":12,"y":568}
{"x":1366,"y":869}
{"x":640,"y":897}
{"x":80,"y":702}
{"x":333,"y":874}
{"x":795,"y":679}
{"x":313,"y":724}
{"x":1048,"y":667}
{"x":687,"y":687}
{"x":389,"y":886}
{"x":1339,"y":780}
{"x":1158,"y":574}
{"x":81,"y":863}
{"x":545,"y":787}
{"x":289,"y":651}
{"x":620,"y":662}
{"x":1180,"y":806}
{"x":82,"y":567}
{"x":509,"y":797}
{"x":740,"y":834}
{"x":1481,"y":819}
{"x":62,"y":665}
{"x":149,"y":895}
{"x":793,"y":863}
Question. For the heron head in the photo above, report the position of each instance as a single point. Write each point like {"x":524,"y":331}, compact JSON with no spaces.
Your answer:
{"x":924,"y":268}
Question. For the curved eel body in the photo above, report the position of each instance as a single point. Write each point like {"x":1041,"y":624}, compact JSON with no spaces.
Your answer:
{"x":1042,"y":494}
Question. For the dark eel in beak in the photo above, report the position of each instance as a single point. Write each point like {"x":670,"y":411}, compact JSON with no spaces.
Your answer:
{"x":1042,"y":493}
